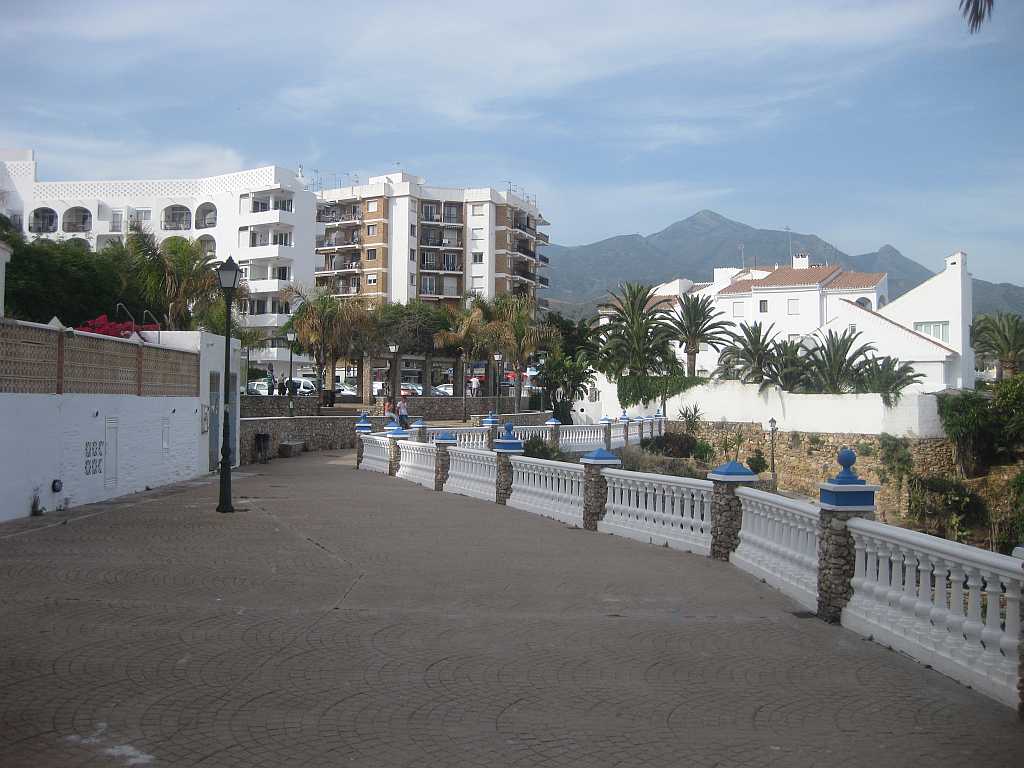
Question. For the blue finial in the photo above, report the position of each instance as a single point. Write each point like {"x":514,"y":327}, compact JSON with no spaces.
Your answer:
{"x":364,"y":425}
{"x":398,"y":434}
{"x":658,"y":414}
{"x":623,"y":417}
{"x":601,"y":456}
{"x":508,"y":442}
{"x":846,"y":458}
{"x":605,"y":420}
{"x":490,"y":420}
{"x":732,"y":472}
{"x":419,"y":423}
{"x":552,"y":422}
{"x":392,"y":425}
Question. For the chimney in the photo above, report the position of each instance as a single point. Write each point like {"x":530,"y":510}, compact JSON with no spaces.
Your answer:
{"x":957,"y":259}
{"x":801,"y":261}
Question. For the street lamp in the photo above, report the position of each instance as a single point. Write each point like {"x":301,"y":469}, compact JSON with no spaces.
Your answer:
{"x":290,"y":336}
{"x":395,"y":375}
{"x":497,"y":374}
{"x":227,"y":275}
{"x":773,"y":427}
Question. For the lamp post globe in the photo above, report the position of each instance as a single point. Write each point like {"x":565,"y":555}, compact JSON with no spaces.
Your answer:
{"x":396,"y":376}
{"x":228,"y":276}
{"x":497,"y":374}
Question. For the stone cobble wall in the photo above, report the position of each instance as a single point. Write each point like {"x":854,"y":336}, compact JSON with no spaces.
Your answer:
{"x":317,"y":432}
{"x":450,"y":408}
{"x":260,"y":406}
{"x":836,"y":558}
{"x":804,"y":459}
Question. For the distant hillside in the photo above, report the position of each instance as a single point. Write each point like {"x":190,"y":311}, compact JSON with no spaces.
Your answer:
{"x":582,"y":275}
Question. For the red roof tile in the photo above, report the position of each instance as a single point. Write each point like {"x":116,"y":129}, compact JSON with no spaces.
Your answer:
{"x":849,"y":280}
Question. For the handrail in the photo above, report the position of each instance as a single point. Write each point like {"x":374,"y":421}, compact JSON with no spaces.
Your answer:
{"x":683,"y":482}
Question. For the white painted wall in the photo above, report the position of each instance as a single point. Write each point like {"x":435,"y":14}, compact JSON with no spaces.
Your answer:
{"x":97,"y":446}
{"x":915,"y":415}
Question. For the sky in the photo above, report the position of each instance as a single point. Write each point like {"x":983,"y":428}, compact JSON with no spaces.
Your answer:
{"x":864,"y":122}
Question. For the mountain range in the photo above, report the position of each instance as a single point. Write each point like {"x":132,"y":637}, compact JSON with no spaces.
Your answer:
{"x":582,"y":275}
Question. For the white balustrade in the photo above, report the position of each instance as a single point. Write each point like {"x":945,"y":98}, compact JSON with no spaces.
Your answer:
{"x":524,"y":433}
{"x":946,"y":604}
{"x":375,"y":453}
{"x":580,"y":438}
{"x":635,"y":432}
{"x":465,"y":437}
{"x":618,"y":434}
{"x":416,"y":462}
{"x":472,"y":472}
{"x":659,"y":509}
{"x":779,"y":543}
{"x":549,"y":488}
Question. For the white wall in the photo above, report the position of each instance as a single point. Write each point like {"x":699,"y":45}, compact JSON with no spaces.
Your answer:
{"x":97,"y":446}
{"x":915,"y":415}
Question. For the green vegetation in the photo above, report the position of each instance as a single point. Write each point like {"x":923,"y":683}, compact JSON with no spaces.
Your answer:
{"x":895,"y":462}
{"x":636,"y":460}
{"x":537,"y":447}
{"x":691,"y":417}
{"x":1000,"y":337}
{"x":696,"y":323}
{"x":944,"y":506}
{"x":757,"y":462}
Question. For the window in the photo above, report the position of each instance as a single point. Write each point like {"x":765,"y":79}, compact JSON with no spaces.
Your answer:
{"x":371,"y":230}
{"x":371,"y":279}
{"x":852,"y":328}
{"x":116,"y":220}
{"x":762,"y":305}
{"x":429,"y":285}
{"x":935,"y":328}
{"x":478,"y":257}
{"x":412,"y":280}
{"x":793,"y":306}
{"x":412,"y":230}
{"x":412,"y":254}
{"x":281,"y":238}
{"x":477,"y":233}
{"x":371,"y":207}
{"x":478,"y":209}
{"x":282,"y":273}
{"x":737,"y":309}
{"x":478,"y":283}
{"x":451,"y":286}
{"x":371,"y":254}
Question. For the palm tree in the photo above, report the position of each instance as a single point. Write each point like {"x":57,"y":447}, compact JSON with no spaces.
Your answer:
{"x":977,"y":12}
{"x":565,"y":380}
{"x":888,"y":377}
{"x":1001,"y":337}
{"x":785,"y":366}
{"x":189,"y":281}
{"x":835,"y":365}
{"x":517,"y":334}
{"x":315,"y":321}
{"x":697,"y":323}
{"x":350,"y":327}
{"x":465,"y":336}
{"x":748,"y":356}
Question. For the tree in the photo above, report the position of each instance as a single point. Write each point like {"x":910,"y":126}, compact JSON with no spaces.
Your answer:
{"x":463,"y":335}
{"x":189,"y":280}
{"x":517,"y":334}
{"x":635,"y":342}
{"x":565,"y":380}
{"x":976,"y":12}
{"x":1001,"y":337}
{"x":314,"y":323}
{"x":412,"y":327}
{"x":574,"y":335}
{"x":835,"y":365}
{"x":888,"y":377}
{"x":697,"y":323}
{"x":749,"y":355}
{"x":785,"y":366}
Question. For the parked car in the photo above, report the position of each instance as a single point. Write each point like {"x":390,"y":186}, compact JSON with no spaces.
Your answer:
{"x":345,"y":389}
{"x":305,"y":387}
{"x":257,"y":388}
{"x":445,"y":389}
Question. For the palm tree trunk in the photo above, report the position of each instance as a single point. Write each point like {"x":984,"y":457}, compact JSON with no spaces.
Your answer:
{"x":518,"y":389}
{"x":428,"y":375}
{"x":691,"y":361}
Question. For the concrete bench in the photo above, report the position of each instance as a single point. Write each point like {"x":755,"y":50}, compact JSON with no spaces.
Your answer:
{"x":289,"y":448}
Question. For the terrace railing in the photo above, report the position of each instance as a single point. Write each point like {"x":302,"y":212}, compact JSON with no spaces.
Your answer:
{"x":465,"y":437}
{"x":946,"y":604}
{"x":375,"y":453}
{"x":550,"y":488}
{"x":472,"y":472}
{"x":779,"y":543}
{"x":581,"y":438}
{"x":416,"y":462}
{"x":659,"y":509}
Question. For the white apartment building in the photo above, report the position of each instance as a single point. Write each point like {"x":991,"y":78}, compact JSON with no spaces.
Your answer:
{"x":263,"y":217}
{"x":396,"y":239}
{"x":928,"y":327}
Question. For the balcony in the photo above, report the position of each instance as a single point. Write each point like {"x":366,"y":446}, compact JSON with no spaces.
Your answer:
{"x":524,"y":274}
{"x":525,"y":250}
{"x":543,"y":259}
{"x":339,"y":219}
{"x":338,"y":265}
{"x":267,"y":286}
{"x":429,"y":264}
{"x":441,"y":242}
{"x":543,"y":281}
{"x":266,"y":320}
{"x":523,"y":224}
{"x":542,"y":238}
{"x":335,"y":241}
{"x":269,"y":251}
{"x":274,"y":355}
{"x":270,"y":216}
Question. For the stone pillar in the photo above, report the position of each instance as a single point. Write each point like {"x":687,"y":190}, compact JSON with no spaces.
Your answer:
{"x":554,"y":432}
{"x":595,"y":487}
{"x":419,"y":430}
{"x":625,"y":428}
{"x":844,"y":497}
{"x":366,"y":381}
{"x":442,"y":459}
{"x":363,"y":427}
{"x":505,"y":447}
{"x":726,"y":508}
{"x":394,"y":453}
{"x":606,"y":423}
{"x":491,"y":422}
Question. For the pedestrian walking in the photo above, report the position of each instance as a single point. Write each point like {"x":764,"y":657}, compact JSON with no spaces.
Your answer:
{"x":403,"y":412}
{"x":281,"y":387}
{"x":474,"y":386}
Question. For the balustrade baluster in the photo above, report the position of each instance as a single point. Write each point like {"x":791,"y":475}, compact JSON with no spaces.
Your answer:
{"x":992,"y":631}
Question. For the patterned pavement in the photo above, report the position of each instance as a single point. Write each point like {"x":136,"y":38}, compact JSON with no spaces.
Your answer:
{"x":349,"y":619}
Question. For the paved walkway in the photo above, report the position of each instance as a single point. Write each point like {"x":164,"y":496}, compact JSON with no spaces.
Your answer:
{"x":348,"y":619}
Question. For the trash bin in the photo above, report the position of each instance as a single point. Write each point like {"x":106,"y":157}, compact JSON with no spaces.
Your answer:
{"x":263,"y":447}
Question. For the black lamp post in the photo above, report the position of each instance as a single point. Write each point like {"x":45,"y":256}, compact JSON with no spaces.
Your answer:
{"x":291,"y":383}
{"x":773,"y":427}
{"x":227,"y":274}
{"x":497,"y":376}
{"x":396,"y":375}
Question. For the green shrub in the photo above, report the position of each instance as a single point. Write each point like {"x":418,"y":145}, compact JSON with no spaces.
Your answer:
{"x":678,"y":445}
{"x":536,"y":447}
{"x":691,"y":417}
{"x":704,"y":452}
{"x":971,"y":423}
{"x":944,"y":505}
{"x":1008,"y":408}
{"x":896,"y":462}
{"x":814,"y":440}
{"x":636,"y":460}
{"x":757,"y":462}
{"x":865,"y":449}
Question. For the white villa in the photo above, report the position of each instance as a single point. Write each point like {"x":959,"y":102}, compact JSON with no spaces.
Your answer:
{"x":928,"y":327}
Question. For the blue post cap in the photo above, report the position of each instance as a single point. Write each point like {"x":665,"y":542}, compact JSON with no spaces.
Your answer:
{"x":392,"y":425}
{"x":508,"y":442}
{"x":490,"y":420}
{"x":623,"y":417}
{"x":846,"y":491}
{"x":446,"y":438}
{"x":605,"y":420}
{"x":658,"y":414}
{"x":398,"y":434}
{"x":732,"y":472}
{"x":552,"y":422}
{"x":601,"y":456}
{"x":419,"y":423}
{"x":364,"y":425}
